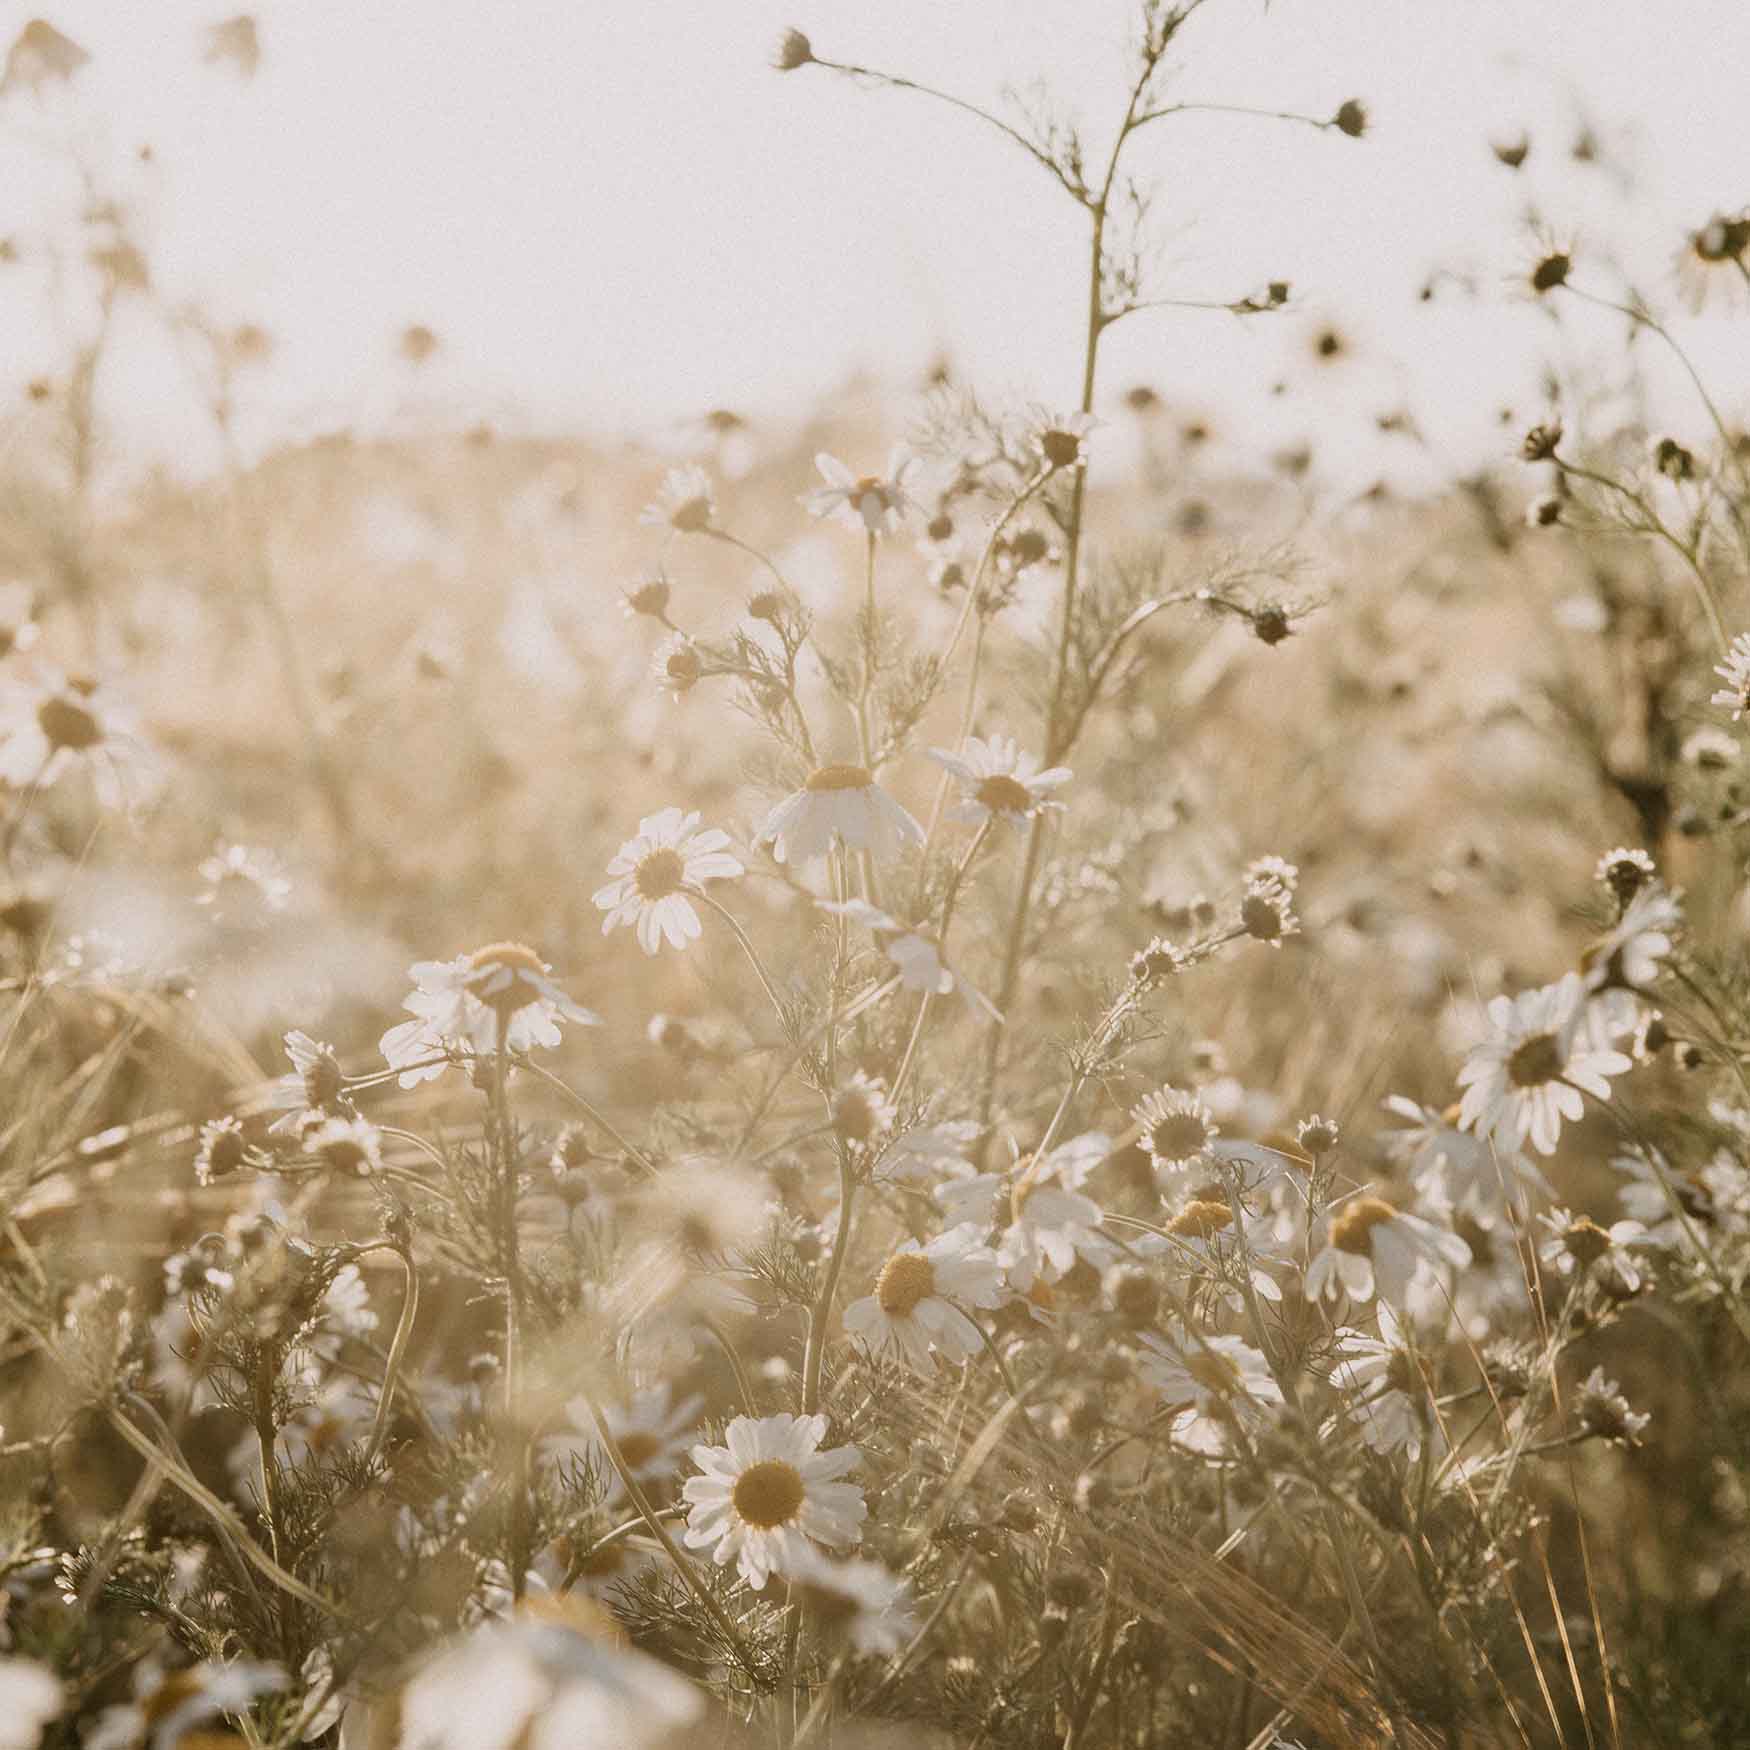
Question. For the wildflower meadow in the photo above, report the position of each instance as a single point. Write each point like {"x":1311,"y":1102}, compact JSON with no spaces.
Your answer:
{"x":960,"y":1074}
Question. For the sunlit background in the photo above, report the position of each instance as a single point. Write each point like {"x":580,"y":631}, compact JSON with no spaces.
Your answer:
{"x":617,"y":217}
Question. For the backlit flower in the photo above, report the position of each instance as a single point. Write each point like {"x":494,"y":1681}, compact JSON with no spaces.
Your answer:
{"x":1371,"y":1246}
{"x":1735,"y":672}
{"x":999,"y":781}
{"x":670,"y":858}
{"x":920,"y":1295}
{"x":843,"y":805}
{"x":858,"y":1603}
{"x":873,"y":502}
{"x":683,"y":503}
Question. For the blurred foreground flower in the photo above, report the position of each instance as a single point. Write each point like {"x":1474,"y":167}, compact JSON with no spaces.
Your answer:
{"x":874,"y":502}
{"x":999,"y":781}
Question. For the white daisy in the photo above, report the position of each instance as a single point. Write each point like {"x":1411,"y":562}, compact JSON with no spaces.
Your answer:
{"x":769,"y":1490}
{"x":59,"y":722}
{"x":872,"y":502}
{"x":460,"y":1007}
{"x":1060,"y":440}
{"x":916,"y":954}
{"x":669,"y":858}
{"x":1475,"y":1174}
{"x":1044,"y":1224}
{"x":1267,"y":910}
{"x":30,"y":1696}
{"x":859,"y":1603}
{"x":1735,"y":672}
{"x":652,"y":1432}
{"x":842,"y":804}
{"x":1217,"y":1379}
{"x":1202,"y":1237}
{"x":240,"y":882}
{"x":1175,"y":1127}
{"x":678,"y":665}
{"x":1370,"y":1245}
{"x":1629,"y":954}
{"x":1601,"y":1409}
{"x":345,"y":1145}
{"x":315,"y":1084}
{"x":932,"y":1152}
{"x":167,"y":1705}
{"x":1625,"y":870}
{"x":1530,"y":1073}
{"x":919,"y":1296}
{"x":1577,"y":1245}
{"x":998,"y":780}
{"x":683,"y":502}
{"x":1390,"y":1399}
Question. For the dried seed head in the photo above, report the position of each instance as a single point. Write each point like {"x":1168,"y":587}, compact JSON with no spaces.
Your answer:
{"x":1317,"y":1135}
{"x":1350,"y":119}
{"x":1551,"y":271}
{"x":907,"y":1279}
{"x":66,"y":723}
{"x":1673,"y":460}
{"x":649,"y":598}
{"x":1512,"y":152}
{"x":1270,"y":624}
{"x":794,"y":50}
{"x":768,"y":605}
{"x":1541,"y":441}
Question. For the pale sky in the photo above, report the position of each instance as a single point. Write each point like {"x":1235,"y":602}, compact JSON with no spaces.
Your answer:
{"x":617,"y":215}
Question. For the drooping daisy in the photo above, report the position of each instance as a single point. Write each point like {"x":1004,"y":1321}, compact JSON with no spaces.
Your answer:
{"x":1370,"y":1245}
{"x":1216,"y":1379}
{"x":316,"y":1085}
{"x":1629,"y":955}
{"x":998,"y":781}
{"x":769,"y":1490}
{"x":1267,"y":910}
{"x":221,"y":1151}
{"x":855,"y":1602}
{"x":651,"y":1431}
{"x":917,"y":954}
{"x":1735,"y":672}
{"x":461,"y":1006}
{"x":1387,"y":1386}
{"x":656,"y":870}
{"x":1578,"y":1245}
{"x":919,"y":1296}
{"x":1529,"y":1074}
{"x":683,"y":503}
{"x":1176,"y":1127}
{"x":874,"y":503}
{"x":841,"y":804}
{"x":1601,"y":1409}
{"x":60,"y":722}
{"x":1475,"y":1174}
{"x":679,"y":664}
{"x":345,"y":1145}
{"x":1713,"y":261}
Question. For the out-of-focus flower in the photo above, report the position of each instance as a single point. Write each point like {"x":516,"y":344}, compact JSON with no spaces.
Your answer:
{"x":655,"y":871}
{"x":40,"y":55}
{"x":1175,"y":1127}
{"x":1532,"y":1070}
{"x":316,"y":1086}
{"x":168,"y":1707}
{"x":1625,"y":871}
{"x":1630,"y":954}
{"x":769,"y":1490}
{"x":920,"y":1295}
{"x":1060,"y":440}
{"x":463,"y":1006}
{"x":678,"y":665}
{"x":1370,"y":1246}
{"x":1576,"y":1244}
{"x":220,"y":1152}
{"x":243,"y":872}
{"x":842,"y":804}
{"x":794,"y":50}
{"x":1218,"y":1379}
{"x":998,"y":781}
{"x":876,"y":503}
{"x":1045,"y":1222}
{"x":916,"y":954}
{"x":683,"y":503}
{"x":60,"y":723}
{"x":30,"y":1696}
{"x":1711,"y":263}
{"x":1601,"y":1409}
{"x":1388,"y":1391}
{"x":1473,"y":1173}
{"x":345,"y":1145}
{"x":236,"y":41}
{"x":855,"y":1602}
{"x":651,"y":1430}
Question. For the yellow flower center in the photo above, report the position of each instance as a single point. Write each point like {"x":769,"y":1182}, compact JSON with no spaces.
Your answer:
{"x":1197,"y":1221}
{"x":524,"y":964}
{"x":906,"y":1279}
{"x":638,"y":1447}
{"x":1061,"y":449}
{"x":69,"y":725}
{"x":1586,"y":1242}
{"x":1178,"y":1136}
{"x":838,"y":778}
{"x":1042,"y":1294}
{"x":1535,"y":1061}
{"x":1214,"y":1372}
{"x":1002,"y":794}
{"x":1352,"y":1227}
{"x":659,"y":874}
{"x":768,"y":1494}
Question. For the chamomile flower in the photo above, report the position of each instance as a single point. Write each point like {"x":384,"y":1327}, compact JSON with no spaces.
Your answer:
{"x":655,"y":872}
{"x":1175,"y":1127}
{"x":463,"y":1007}
{"x":1576,"y":1244}
{"x":917,"y":954}
{"x":1625,"y":870}
{"x":316,"y":1087}
{"x":1387,"y":1388}
{"x":874,"y":503}
{"x":678,"y":666}
{"x":1060,"y":440}
{"x":999,"y":782}
{"x":1713,"y":261}
{"x":1629,"y":955}
{"x":1371,"y":1246}
{"x":345,"y":1145}
{"x":58,"y":723}
{"x":1267,"y":910}
{"x":842,"y":805}
{"x":1475,"y":1174}
{"x":652,"y":1431}
{"x":1530,"y":1073}
{"x":920,"y":1295}
{"x":221,"y":1151}
{"x":1044,"y":1222}
{"x":1217,"y":1379}
{"x":1201,"y":1235}
{"x":860,"y":1604}
{"x":769,"y":1490}
{"x":242,"y":882}
{"x":1602,"y":1410}
{"x":683,"y":503}
{"x":1735,"y":672}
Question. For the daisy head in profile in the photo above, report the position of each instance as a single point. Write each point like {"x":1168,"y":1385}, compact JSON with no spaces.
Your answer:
{"x":917,"y":1307}
{"x":466,"y":1007}
{"x":60,"y":723}
{"x":684,"y":504}
{"x":768,"y":1491}
{"x":839,"y":805}
{"x":860,"y":1605}
{"x":1371,"y":1246}
{"x":1000,"y":782}
{"x":873,"y":503}
{"x":656,"y":872}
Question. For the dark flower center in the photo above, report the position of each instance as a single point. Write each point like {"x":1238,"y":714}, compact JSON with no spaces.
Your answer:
{"x":768,"y":1494}
{"x":659,"y":874}
{"x":1535,"y":1061}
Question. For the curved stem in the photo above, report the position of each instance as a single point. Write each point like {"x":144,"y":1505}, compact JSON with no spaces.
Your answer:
{"x":752,"y":954}
{"x":397,"y":1354}
{"x":821,"y":1313}
{"x":633,"y":1152}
